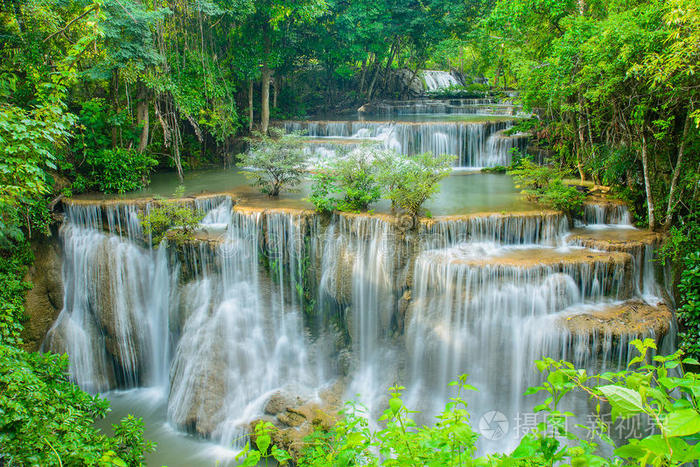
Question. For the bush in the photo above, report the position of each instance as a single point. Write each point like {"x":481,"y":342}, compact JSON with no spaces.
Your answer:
{"x":104,"y":167}
{"x":13,"y":266}
{"x":689,"y":310}
{"x":116,"y":170}
{"x":277,"y":161}
{"x":353,"y":176}
{"x":360,"y":177}
{"x":545,"y":185}
{"x":409,"y":181}
{"x":178,"y":220}
{"x":323,"y":189}
{"x":45,"y":419}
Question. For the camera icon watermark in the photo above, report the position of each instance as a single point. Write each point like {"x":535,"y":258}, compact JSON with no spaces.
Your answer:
{"x":494,"y":425}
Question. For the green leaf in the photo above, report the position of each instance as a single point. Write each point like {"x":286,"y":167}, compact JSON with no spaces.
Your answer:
{"x":626,"y":401}
{"x":395,"y":404}
{"x":682,"y":423}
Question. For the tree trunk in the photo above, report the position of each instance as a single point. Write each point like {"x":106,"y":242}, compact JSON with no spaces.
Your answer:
{"x":114,"y":89}
{"x":250,"y":106}
{"x":275,"y":89}
{"x":265,"y":110}
{"x":394,"y":49}
{"x":377,"y":66}
{"x":676,"y":174}
{"x":581,"y":139}
{"x":362,"y":76}
{"x":266,"y":75}
{"x":647,"y":182}
{"x":142,"y":117}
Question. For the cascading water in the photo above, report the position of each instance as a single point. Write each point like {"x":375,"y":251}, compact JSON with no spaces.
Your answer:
{"x":472,"y":143}
{"x":279,"y":300}
{"x":600,"y":214}
{"x":484,"y":106}
{"x":436,"y":80}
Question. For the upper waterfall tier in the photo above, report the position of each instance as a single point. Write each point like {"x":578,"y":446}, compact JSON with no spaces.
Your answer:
{"x":480,"y":106}
{"x":436,"y":80}
{"x":476,"y":144}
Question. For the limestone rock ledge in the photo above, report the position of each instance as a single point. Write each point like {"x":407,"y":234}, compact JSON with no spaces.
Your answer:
{"x":624,"y":240}
{"x":631,"y":318}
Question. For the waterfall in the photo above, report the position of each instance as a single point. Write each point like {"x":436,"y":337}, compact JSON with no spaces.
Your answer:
{"x":483,"y":106}
{"x":499,"y":149}
{"x":114,"y":322}
{"x":358,"y":272}
{"x":514,"y":228}
{"x":606,"y":213}
{"x":436,"y":80}
{"x":468,"y":141}
{"x":273,"y":301}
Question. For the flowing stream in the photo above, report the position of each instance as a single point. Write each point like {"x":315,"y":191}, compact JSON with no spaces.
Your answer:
{"x":197,"y":339}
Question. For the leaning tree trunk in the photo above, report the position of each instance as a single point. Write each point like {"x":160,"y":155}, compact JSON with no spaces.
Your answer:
{"x":647,"y":182}
{"x":676,"y":174}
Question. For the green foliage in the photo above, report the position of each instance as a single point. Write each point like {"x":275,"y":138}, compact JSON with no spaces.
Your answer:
{"x":13,"y":267}
{"x":323,"y":189}
{"x":648,"y":390}
{"x":29,"y":140}
{"x":172,"y":219}
{"x":360,"y":177}
{"x":347,"y":183}
{"x":45,"y":419}
{"x":265,"y":450}
{"x":563,"y":197}
{"x":689,"y":311}
{"x":410,"y":181}
{"x":356,"y":179}
{"x":103,"y":167}
{"x":652,"y":391}
{"x":116,"y":170}
{"x":277,"y":161}
{"x":545,"y":185}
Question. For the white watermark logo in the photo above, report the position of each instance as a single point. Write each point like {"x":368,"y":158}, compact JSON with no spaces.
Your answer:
{"x":493,"y":425}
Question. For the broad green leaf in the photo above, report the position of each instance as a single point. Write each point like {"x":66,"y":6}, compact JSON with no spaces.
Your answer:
{"x":626,"y":401}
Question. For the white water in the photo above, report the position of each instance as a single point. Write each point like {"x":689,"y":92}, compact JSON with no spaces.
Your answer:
{"x":217,"y":331}
{"x":474,"y":144}
{"x":436,"y":80}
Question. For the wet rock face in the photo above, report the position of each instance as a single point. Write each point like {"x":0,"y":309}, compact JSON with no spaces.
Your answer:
{"x":44,"y":301}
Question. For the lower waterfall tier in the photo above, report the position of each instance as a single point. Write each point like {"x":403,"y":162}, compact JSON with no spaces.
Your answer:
{"x":271,"y":303}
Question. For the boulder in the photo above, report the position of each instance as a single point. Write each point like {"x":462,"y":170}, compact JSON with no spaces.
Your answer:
{"x":295,"y":418}
{"x":44,"y":301}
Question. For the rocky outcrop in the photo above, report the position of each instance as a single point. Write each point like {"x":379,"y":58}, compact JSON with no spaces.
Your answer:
{"x":625,"y":240}
{"x":631,"y":318}
{"x":295,"y":418}
{"x":44,"y":300}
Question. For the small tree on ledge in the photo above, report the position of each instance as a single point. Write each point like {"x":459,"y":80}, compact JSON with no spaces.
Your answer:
{"x":276,"y":162}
